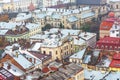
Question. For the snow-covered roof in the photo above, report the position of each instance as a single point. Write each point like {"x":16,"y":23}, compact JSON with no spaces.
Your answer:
{"x":113,"y":76}
{"x":14,"y":69}
{"x":94,"y":75}
{"x":36,"y":47}
{"x":32,"y":26}
{"x":79,"y":54}
{"x":8,"y":25}
{"x":86,"y":15}
{"x":72,"y":19}
{"x":23,"y":16}
{"x":79,"y":41}
{"x":39,"y":36}
{"x":3,"y":32}
{"x":41,"y":15}
{"x":20,"y":59}
{"x":87,"y":58}
{"x":87,"y":35}
{"x":56,"y":16}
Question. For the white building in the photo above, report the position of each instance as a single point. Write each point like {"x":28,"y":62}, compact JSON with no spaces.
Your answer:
{"x":115,"y":30}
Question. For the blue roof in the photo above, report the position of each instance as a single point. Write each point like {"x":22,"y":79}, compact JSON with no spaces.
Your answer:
{"x":72,"y":19}
{"x":85,"y":15}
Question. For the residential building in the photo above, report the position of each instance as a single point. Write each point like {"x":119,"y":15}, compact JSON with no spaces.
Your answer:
{"x":115,"y":30}
{"x":19,"y":63}
{"x":69,"y":72}
{"x":68,"y":18}
{"x":6,"y":75}
{"x":108,"y":43}
{"x":13,"y":31}
{"x":67,"y":42}
{"x":107,"y":24}
{"x":19,"y":5}
{"x":114,"y":65}
{"x":114,"y":6}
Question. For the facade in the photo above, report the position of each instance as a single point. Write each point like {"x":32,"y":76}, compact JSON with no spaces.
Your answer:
{"x":114,"y":6}
{"x":114,"y":65}
{"x":19,"y":5}
{"x":13,"y":31}
{"x":109,"y":43}
{"x":69,"y":18}
{"x":68,"y":42}
{"x":115,"y":30}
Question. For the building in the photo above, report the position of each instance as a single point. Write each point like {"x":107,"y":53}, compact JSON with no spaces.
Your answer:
{"x":68,"y":18}
{"x":69,"y":72}
{"x":114,"y":6}
{"x":6,"y":75}
{"x":19,"y":5}
{"x":13,"y":31}
{"x":114,"y":65}
{"x":61,"y":43}
{"x":108,"y":43}
{"x":115,"y":30}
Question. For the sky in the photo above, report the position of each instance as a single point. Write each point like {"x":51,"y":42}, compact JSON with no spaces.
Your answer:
{"x":5,"y":1}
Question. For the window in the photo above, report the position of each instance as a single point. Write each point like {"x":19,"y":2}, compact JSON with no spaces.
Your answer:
{"x":116,"y":6}
{"x":56,"y":53}
{"x":44,"y":52}
{"x":117,"y":35}
{"x":50,"y":53}
{"x":113,"y":31}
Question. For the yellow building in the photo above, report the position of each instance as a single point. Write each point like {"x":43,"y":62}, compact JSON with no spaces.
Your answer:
{"x":22,"y":32}
{"x":58,"y":48}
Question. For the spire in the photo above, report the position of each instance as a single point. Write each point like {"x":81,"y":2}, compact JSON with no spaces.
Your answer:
{"x":31,"y":7}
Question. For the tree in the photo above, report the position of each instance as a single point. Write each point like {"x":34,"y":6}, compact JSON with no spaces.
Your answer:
{"x":85,"y":27}
{"x":61,"y":25}
{"x":46,"y":27}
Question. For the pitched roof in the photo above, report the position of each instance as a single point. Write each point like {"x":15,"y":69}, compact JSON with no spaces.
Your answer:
{"x":115,"y":63}
{"x":116,"y":56}
{"x":106,"y":25}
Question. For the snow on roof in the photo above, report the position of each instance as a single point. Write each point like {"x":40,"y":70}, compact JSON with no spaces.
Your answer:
{"x":86,"y":15}
{"x":41,"y":15}
{"x":66,"y":13}
{"x":87,"y":35}
{"x":79,"y":54}
{"x":72,"y":19}
{"x":113,"y":76}
{"x":87,"y":58}
{"x":79,"y":41}
{"x":96,"y":53}
{"x":39,"y":36}
{"x":23,"y":61}
{"x":94,"y":75}
{"x":56,"y":16}
{"x":3,"y":32}
{"x":9,"y":25}
{"x":23,"y":16}
{"x":32,"y":26}
{"x":36,"y":47}
{"x":14,"y":70}
{"x":71,"y":31}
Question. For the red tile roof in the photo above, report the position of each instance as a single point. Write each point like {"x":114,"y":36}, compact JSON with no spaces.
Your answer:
{"x":111,"y":14}
{"x":115,"y":64}
{"x":109,"y":43}
{"x":45,"y":70}
{"x":53,"y":68}
{"x":48,"y":69}
{"x":106,"y":25}
{"x":116,"y":56}
{"x":31,"y":7}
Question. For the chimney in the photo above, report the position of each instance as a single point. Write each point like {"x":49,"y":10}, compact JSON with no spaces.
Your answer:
{"x":34,"y":60}
{"x":9,"y":66}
